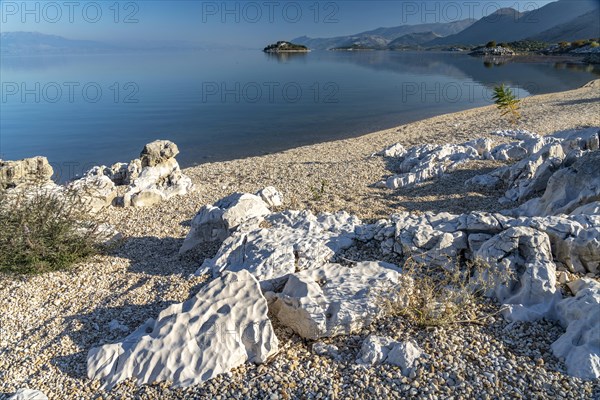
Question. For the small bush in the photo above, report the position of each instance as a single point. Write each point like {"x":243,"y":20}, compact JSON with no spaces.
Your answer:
{"x":507,"y":103}
{"x":442,"y":296}
{"x":44,"y":231}
{"x":491,"y":44}
{"x":594,"y":45}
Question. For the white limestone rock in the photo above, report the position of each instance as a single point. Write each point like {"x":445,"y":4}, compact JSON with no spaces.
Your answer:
{"x":579,"y":346}
{"x":383,"y":350}
{"x":294,"y":241}
{"x":394,"y":151}
{"x":569,"y":188}
{"x":421,"y":163}
{"x":28,"y":394}
{"x":156,"y":184}
{"x":271,"y":196}
{"x":216,"y":222}
{"x":224,"y":325}
{"x":96,"y":192}
{"x":519,"y":134}
{"x":326,"y":350}
{"x":337,"y":300}
{"x":525,"y":253}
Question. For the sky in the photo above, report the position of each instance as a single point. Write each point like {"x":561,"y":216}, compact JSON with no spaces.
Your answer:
{"x":250,"y":23}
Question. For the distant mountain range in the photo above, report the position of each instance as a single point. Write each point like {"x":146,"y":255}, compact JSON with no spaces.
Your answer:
{"x":566,"y":20}
{"x":381,"y":37}
{"x":509,"y":25}
{"x":35,"y":43}
{"x":24,"y":43}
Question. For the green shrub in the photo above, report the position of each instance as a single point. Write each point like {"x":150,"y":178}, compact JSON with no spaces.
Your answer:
{"x":594,"y":45}
{"x":491,"y":44}
{"x":507,"y":102}
{"x":43,"y":231}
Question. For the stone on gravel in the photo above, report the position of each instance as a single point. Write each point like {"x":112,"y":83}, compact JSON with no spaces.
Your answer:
{"x":216,"y":222}
{"x":338,"y":300}
{"x":224,"y":325}
{"x":383,"y":350}
{"x":271,"y":196}
{"x":579,"y":347}
{"x":28,"y":171}
{"x":28,"y":394}
{"x":158,"y":152}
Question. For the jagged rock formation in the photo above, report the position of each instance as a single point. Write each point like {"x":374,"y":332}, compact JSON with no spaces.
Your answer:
{"x":224,"y":325}
{"x":294,"y":241}
{"x":216,"y":222}
{"x":538,"y":157}
{"x":25,"y":172}
{"x":151,"y":179}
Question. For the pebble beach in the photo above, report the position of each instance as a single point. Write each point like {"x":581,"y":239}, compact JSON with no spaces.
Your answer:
{"x":49,"y":322}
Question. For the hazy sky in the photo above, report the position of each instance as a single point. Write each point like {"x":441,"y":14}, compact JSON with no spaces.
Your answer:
{"x":252,"y":23}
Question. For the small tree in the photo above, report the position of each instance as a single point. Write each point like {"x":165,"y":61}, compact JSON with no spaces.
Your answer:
{"x":507,"y":103}
{"x":491,"y":44}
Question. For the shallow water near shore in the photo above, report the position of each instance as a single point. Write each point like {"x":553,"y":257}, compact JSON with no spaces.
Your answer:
{"x":85,"y":110}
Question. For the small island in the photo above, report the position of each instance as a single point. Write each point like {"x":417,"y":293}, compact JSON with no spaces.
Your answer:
{"x":286,"y":47}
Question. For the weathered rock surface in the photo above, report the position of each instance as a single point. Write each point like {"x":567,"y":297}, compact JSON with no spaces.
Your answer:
{"x":421,"y":163}
{"x":379,"y":350}
{"x":156,"y":184}
{"x":537,"y":159}
{"x":151,"y":179}
{"x":29,"y":171}
{"x":523,"y":257}
{"x":95,"y":192}
{"x":336,"y":300}
{"x":271,"y":196}
{"x":579,"y":347}
{"x":216,"y":222}
{"x":569,"y":188}
{"x":294,"y":241}
{"x":224,"y":325}
{"x":28,"y":394}
{"x":158,"y":152}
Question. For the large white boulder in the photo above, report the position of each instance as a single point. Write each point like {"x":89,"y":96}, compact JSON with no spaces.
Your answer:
{"x":156,"y":184}
{"x":224,"y":325}
{"x":216,"y":222}
{"x":293,"y":241}
{"x":96,"y":192}
{"x":569,"y":188}
{"x":338,"y":300}
{"x":579,"y":346}
{"x":524,"y":274}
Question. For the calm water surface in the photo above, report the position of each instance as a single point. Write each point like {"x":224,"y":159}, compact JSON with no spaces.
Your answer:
{"x":85,"y":110}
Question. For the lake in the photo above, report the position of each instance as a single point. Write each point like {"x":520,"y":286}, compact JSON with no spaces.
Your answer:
{"x":85,"y":110}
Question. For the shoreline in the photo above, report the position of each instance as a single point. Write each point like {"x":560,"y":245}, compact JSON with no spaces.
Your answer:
{"x":49,"y":322}
{"x":297,"y":171}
